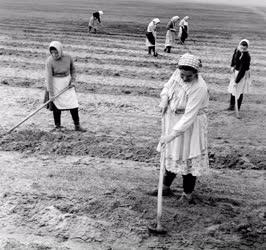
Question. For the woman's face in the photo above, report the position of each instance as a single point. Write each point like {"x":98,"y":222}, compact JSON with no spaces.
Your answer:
{"x":243,"y":48}
{"x":188,"y":75}
{"x":54,"y":54}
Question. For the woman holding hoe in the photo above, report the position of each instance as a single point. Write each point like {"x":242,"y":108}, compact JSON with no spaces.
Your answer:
{"x":60,"y":74}
{"x":184,"y":102}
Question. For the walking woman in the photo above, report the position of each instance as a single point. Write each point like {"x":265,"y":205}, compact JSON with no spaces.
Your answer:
{"x":151,"y":36}
{"x":60,"y":73}
{"x":184,"y":102}
{"x":95,"y":20}
{"x":171,"y":34}
{"x":183,"y":30}
{"x":240,"y":80}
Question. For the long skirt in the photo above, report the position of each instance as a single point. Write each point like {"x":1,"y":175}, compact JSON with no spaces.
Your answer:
{"x":183,"y":35}
{"x":93,"y":23}
{"x":170,"y":38}
{"x":243,"y":87}
{"x":150,"y":39}
{"x":67,"y":100}
{"x":187,"y":153}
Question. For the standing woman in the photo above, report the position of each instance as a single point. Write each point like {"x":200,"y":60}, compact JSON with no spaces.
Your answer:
{"x":60,"y":73}
{"x":151,"y":36}
{"x":171,"y":34}
{"x":183,"y":29}
{"x":184,"y":102}
{"x":95,"y":20}
{"x":240,"y":80}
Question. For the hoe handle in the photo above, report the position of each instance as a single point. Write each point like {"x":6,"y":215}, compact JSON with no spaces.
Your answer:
{"x":37,"y":110}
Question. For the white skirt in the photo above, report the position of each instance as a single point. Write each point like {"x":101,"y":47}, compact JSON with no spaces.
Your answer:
{"x":187,"y":153}
{"x":67,"y":100}
{"x":170,"y":38}
{"x":93,"y":23}
{"x":236,"y":89}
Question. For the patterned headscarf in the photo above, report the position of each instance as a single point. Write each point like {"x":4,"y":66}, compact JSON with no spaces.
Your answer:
{"x":190,"y":60}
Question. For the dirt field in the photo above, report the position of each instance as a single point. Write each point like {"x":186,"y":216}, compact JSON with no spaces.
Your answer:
{"x":69,"y":190}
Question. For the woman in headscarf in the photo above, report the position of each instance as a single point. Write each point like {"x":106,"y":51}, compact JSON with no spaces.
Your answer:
{"x":171,"y":34}
{"x":184,"y":102}
{"x":151,"y":36}
{"x":60,"y":73}
{"x":183,"y":29}
{"x":240,"y":80}
{"x":95,"y":20}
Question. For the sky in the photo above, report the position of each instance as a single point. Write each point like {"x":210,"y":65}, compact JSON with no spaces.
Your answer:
{"x":234,"y":2}
{"x":238,"y":2}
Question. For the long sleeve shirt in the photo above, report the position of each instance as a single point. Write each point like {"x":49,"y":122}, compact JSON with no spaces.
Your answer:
{"x":241,"y":62}
{"x":59,"y":68}
{"x":190,"y":97}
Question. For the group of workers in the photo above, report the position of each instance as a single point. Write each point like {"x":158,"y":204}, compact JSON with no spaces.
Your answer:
{"x":175,"y":31}
{"x":184,"y":104}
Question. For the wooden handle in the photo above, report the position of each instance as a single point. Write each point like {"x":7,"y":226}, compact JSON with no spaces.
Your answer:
{"x":37,"y":110}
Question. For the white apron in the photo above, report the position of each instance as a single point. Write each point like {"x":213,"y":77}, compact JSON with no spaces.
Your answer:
{"x":170,"y":38}
{"x":236,"y":89}
{"x":67,"y":100}
{"x":188,"y":153}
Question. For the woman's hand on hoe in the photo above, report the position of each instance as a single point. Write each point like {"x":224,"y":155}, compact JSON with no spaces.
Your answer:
{"x":168,"y":138}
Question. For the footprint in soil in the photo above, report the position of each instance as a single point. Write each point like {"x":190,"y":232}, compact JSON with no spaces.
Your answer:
{"x":214,"y":201}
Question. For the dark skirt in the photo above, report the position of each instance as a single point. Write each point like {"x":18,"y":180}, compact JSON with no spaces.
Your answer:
{"x":184,"y":34}
{"x":151,"y":38}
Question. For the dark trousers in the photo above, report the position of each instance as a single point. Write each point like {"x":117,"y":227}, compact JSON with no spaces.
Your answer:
{"x":57,"y":115}
{"x":167,"y":49}
{"x":189,"y":181}
{"x":91,"y":28}
{"x":233,"y":101}
{"x":184,"y":34}
{"x":151,"y":49}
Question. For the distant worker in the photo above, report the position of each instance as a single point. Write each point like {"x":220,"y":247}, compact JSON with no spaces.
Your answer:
{"x":240,"y":81}
{"x":60,"y":74}
{"x":151,"y":36}
{"x":171,"y":34}
{"x":95,"y":21}
{"x":183,"y":30}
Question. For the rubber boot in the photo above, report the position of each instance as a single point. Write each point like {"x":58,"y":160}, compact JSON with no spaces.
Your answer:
{"x":79,"y":128}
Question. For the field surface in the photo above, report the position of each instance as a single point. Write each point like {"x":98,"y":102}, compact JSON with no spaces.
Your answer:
{"x":68,"y":190}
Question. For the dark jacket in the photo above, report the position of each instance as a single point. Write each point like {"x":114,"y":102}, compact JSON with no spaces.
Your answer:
{"x":97,"y":16}
{"x":241,"y":62}
{"x":170,"y":25}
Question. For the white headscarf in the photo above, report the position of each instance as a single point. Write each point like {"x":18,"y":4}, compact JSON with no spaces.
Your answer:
{"x":239,"y":45}
{"x":58,"y":46}
{"x":156,"y":21}
{"x":244,"y":40}
{"x":175,"y":18}
{"x":100,"y":12}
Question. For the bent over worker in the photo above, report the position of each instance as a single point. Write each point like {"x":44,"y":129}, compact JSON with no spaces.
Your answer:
{"x":151,"y":36}
{"x":95,"y":21}
{"x":183,"y":29}
{"x":171,"y":34}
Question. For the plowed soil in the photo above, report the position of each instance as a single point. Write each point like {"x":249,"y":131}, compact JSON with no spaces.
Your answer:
{"x":70,"y":190}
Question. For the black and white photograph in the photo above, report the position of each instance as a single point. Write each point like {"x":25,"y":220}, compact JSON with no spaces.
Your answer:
{"x":132,"y":125}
